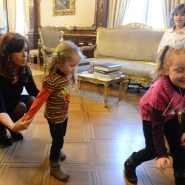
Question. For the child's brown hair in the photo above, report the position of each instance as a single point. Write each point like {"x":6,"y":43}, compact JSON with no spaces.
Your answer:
{"x":165,"y":59}
{"x":64,"y":52}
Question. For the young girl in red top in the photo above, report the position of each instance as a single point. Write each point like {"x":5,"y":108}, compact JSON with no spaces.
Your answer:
{"x":159,"y":109}
{"x":56,"y":92}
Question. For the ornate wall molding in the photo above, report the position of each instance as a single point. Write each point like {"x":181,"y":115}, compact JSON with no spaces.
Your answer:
{"x":34,"y":12}
{"x":101,"y":14}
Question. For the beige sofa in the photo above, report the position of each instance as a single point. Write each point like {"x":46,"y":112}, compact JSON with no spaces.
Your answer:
{"x":134,"y":46}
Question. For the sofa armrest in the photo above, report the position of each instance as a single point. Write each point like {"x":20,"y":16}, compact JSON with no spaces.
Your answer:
{"x":47,"y":49}
{"x":83,"y":48}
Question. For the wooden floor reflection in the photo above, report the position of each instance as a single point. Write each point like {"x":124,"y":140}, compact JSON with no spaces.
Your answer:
{"x":97,"y":143}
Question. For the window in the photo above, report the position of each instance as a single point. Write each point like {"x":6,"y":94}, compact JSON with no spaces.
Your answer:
{"x":148,"y":12}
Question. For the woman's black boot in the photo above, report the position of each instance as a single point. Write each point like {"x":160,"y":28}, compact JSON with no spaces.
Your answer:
{"x":4,"y":139}
{"x":16,"y":135}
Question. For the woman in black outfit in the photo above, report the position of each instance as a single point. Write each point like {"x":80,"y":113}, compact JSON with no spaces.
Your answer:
{"x":14,"y":75}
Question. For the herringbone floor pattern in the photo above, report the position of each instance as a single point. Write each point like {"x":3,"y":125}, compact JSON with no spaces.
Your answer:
{"x":97,"y":143}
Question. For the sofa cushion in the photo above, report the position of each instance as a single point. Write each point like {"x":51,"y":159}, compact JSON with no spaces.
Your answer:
{"x":141,"y":69}
{"x":128,"y":44}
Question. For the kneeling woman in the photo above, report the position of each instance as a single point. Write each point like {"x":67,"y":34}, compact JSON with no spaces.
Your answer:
{"x":14,"y":75}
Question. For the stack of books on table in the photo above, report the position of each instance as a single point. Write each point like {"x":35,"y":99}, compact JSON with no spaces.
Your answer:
{"x":107,"y":70}
{"x":83,"y":66}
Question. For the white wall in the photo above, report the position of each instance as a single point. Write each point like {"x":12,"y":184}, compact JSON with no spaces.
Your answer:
{"x":1,"y":14}
{"x":84,"y":14}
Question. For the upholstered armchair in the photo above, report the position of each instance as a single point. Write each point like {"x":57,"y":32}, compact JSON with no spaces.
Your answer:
{"x":50,"y":38}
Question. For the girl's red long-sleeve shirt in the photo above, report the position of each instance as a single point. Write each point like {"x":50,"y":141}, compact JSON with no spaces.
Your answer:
{"x":37,"y":104}
{"x":56,"y":93}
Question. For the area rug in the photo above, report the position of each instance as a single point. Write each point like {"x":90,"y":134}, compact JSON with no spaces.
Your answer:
{"x":36,"y":72}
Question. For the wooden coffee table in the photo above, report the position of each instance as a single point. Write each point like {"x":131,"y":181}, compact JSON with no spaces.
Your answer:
{"x":90,"y":78}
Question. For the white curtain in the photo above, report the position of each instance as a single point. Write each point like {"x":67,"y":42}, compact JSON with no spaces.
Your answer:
{"x":18,"y":16}
{"x":166,"y":13}
{"x":11,"y":9}
{"x":26,"y":13}
{"x":167,"y":7}
{"x":1,"y":14}
{"x":116,"y":12}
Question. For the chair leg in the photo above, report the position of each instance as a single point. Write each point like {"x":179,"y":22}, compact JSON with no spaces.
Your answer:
{"x":127,"y":82}
{"x":38,"y":60}
{"x":31,"y":59}
{"x":45,"y":64}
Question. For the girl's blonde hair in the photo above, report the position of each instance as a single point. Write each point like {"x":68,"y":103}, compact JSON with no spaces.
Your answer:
{"x":63,"y":53}
{"x":165,"y":59}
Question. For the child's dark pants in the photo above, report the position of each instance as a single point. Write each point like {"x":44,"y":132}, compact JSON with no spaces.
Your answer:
{"x":57,"y":132}
{"x":173,"y":135}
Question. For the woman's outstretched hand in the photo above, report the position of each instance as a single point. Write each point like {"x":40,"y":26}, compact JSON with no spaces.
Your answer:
{"x":161,"y":162}
{"x":21,"y":124}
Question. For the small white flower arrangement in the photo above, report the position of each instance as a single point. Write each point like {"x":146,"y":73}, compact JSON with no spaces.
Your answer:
{"x":62,"y":33}
{"x":67,"y":27}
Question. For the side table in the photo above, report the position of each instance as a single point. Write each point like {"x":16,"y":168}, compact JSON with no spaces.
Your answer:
{"x":106,"y":82}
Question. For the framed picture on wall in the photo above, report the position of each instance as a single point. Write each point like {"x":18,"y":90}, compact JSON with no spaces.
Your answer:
{"x":63,"y":7}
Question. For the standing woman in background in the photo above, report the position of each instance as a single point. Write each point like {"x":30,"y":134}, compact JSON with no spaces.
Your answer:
{"x":14,"y":75}
{"x":176,"y":35}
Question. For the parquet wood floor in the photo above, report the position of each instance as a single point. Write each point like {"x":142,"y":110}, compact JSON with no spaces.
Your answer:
{"x":97,"y":143}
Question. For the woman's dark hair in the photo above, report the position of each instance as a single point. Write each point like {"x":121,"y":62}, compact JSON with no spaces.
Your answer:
{"x":10,"y":43}
{"x":178,"y":8}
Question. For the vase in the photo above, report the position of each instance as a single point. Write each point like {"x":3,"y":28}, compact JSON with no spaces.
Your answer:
{"x":61,"y":38}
